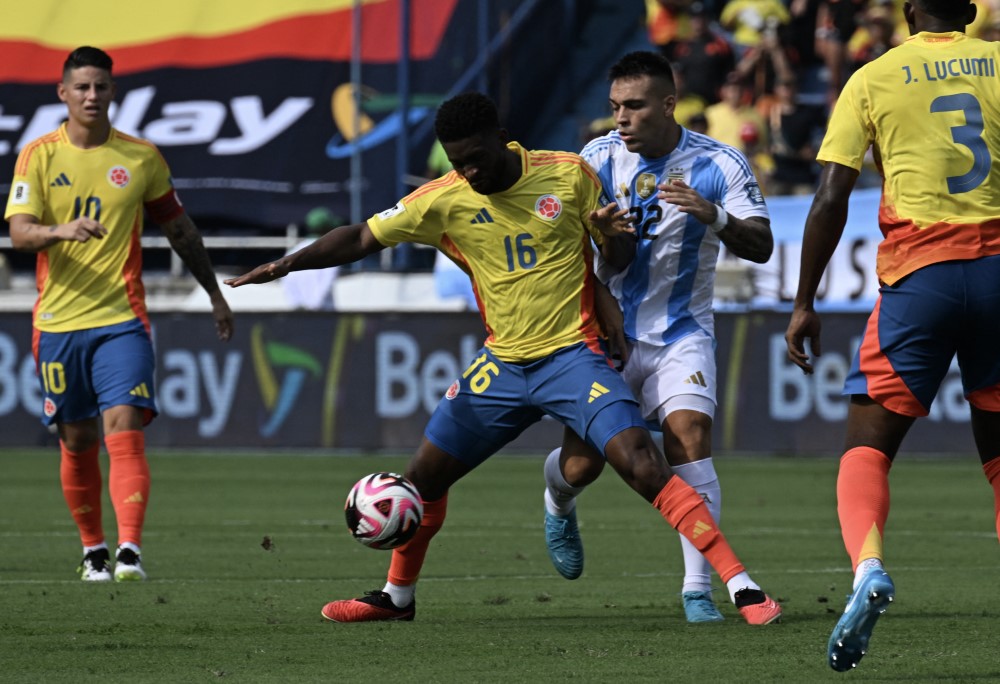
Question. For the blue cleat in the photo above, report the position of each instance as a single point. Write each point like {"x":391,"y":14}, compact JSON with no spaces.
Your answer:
{"x":699,"y":607}
{"x":562,"y":536}
{"x":849,"y":641}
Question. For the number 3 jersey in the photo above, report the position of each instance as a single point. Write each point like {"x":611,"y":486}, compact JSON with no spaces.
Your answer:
{"x":527,"y":249}
{"x":666,"y":291}
{"x":930,"y":110}
{"x":84,"y":285}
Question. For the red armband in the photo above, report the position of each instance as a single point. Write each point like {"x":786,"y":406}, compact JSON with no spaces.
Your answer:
{"x":165,"y":208}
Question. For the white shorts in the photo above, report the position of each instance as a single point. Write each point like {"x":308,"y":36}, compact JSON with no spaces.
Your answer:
{"x":678,"y":376}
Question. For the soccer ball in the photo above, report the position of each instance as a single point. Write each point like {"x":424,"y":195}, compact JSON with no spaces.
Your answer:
{"x":383,"y":510}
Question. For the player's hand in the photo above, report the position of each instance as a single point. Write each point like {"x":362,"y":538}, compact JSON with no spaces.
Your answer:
{"x":81,"y":230}
{"x":222,"y":315}
{"x":687,"y":200}
{"x":264,"y":273}
{"x":805,"y":324}
{"x":612,"y":221}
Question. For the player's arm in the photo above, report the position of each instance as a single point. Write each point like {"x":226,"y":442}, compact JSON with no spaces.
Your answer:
{"x":28,"y":235}
{"x":824,"y":227}
{"x":185,"y":239}
{"x":748,"y":238}
{"x":343,"y":245}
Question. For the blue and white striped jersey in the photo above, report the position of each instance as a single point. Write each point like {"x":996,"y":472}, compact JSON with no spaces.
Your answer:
{"x":666,"y":292}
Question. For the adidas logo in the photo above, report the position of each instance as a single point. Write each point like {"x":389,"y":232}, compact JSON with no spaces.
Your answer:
{"x":597,"y":390}
{"x":699,"y":529}
{"x":697,"y":379}
{"x":482,"y":216}
{"x":60,"y":181}
{"x":140,"y":391}
{"x":85,"y":508}
{"x":135,"y":498}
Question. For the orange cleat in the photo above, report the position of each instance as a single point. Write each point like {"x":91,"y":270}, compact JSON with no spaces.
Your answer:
{"x":757,"y":608}
{"x":373,"y":606}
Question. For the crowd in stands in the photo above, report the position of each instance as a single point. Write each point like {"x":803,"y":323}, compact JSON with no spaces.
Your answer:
{"x":762,"y":75}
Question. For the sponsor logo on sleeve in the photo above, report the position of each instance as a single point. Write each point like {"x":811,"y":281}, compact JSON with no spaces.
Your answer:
{"x":753,"y":193}
{"x":389,"y":213}
{"x":20,"y":193}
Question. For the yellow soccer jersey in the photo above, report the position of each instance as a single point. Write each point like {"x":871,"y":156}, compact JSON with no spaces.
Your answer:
{"x":98,"y":282}
{"x":527,"y":249}
{"x":930,"y":109}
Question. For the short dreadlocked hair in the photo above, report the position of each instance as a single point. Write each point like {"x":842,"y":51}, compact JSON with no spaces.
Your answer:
{"x":642,"y":63}
{"x":464,"y":116}
{"x":944,"y":9}
{"x":87,"y":56}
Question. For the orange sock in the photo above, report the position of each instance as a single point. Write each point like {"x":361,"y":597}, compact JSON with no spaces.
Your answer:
{"x":128,"y":482}
{"x":863,"y":502}
{"x":80,"y":474}
{"x":408,"y":559}
{"x":685,"y":510}
{"x":992,"y":470}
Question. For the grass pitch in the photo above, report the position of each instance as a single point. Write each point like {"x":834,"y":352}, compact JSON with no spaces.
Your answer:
{"x":243,"y":551}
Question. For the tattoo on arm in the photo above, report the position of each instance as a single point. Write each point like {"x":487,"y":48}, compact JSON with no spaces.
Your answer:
{"x":185,"y":239}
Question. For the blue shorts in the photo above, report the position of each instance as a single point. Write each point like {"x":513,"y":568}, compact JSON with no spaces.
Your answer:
{"x":84,"y":372}
{"x":493,"y":402}
{"x":919,"y":325}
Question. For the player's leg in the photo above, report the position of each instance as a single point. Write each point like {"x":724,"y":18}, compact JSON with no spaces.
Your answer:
{"x":122,"y":371}
{"x":980,"y":365}
{"x":80,"y":476}
{"x":432,"y":471}
{"x":986,"y":429}
{"x":69,"y":403}
{"x":634,"y":456}
{"x":568,"y":470}
{"x":687,"y":445}
{"x":478,"y":415}
{"x":906,"y":350}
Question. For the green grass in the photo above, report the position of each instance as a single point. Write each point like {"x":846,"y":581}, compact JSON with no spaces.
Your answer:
{"x":221,"y":607}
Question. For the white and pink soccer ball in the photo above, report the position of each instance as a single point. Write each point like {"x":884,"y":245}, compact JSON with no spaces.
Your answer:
{"x":383,"y":510}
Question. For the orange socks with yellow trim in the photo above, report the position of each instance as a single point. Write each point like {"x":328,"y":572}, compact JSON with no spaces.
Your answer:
{"x":80,"y":475}
{"x":685,"y":510}
{"x":992,"y":470}
{"x":128,"y":482}
{"x":863,"y":502}
{"x":408,"y":559}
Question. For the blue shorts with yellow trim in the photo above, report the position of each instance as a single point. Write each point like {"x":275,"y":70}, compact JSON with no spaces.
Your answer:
{"x":494,"y":401}
{"x":919,"y":325}
{"x":84,"y":372}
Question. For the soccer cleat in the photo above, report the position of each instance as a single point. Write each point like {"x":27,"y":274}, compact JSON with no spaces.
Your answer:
{"x":96,"y":566}
{"x":128,"y":566}
{"x":849,"y":641}
{"x":374,"y":605}
{"x":562,"y":536}
{"x":757,"y":608}
{"x":699,"y":607}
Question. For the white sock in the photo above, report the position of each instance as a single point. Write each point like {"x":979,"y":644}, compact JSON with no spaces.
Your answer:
{"x":738,"y":582}
{"x":401,"y":596}
{"x":703,"y":479}
{"x":864,"y":567}
{"x":88,"y":549}
{"x":560,"y":496}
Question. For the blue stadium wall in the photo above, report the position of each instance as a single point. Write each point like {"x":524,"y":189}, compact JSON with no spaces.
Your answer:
{"x":370,"y":382}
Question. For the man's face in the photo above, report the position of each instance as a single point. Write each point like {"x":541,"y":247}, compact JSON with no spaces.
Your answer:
{"x":643,"y":109}
{"x":480,"y":159}
{"x":87,"y":92}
